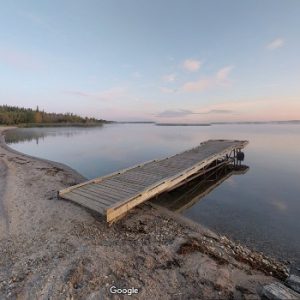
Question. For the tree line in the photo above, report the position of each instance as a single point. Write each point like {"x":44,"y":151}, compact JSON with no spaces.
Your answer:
{"x":12,"y":115}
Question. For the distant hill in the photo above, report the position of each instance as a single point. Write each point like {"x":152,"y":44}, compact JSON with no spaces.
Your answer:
{"x":12,"y":115}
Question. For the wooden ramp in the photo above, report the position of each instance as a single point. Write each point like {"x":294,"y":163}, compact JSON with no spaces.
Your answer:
{"x":115,"y":194}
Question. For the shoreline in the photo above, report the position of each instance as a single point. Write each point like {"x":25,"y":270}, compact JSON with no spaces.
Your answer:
{"x":67,"y":168}
{"x":55,"y":248}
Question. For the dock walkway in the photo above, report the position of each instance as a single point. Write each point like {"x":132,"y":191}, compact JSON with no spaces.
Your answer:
{"x":115,"y":194}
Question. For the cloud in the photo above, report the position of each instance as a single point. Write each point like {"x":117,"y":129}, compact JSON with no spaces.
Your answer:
{"x":275,"y":44}
{"x":249,"y":109}
{"x":219,"y":111}
{"x":192,"y":65}
{"x":169,"y":77}
{"x":175,"y":113}
{"x":200,"y":85}
{"x":186,"y":112}
{"x":223,"y":73}
{"x":167,"y":90}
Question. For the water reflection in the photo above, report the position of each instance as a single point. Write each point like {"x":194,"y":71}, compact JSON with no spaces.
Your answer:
{"x":39,"y":134}
{"x":186,"y":196}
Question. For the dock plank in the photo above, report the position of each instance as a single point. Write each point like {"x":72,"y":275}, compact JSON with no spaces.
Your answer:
{"x":139,"y":175}
{"x":100,"y":194}
{"x":85,"y":202}
{"x":117,"y":184}
{"x":105,"y":189}
{"x":131,"y":183}
{"x":133,"y":189}
{"x":99,"y":199}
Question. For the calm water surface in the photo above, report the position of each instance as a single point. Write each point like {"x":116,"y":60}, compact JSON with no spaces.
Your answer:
{"x":260,"y":208}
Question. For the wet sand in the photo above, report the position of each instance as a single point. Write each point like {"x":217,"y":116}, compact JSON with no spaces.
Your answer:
{"x":51,"y":248}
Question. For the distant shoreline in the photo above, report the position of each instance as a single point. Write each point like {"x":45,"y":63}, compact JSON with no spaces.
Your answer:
{"x":181,"y":124}
{"x":99,"y":124}
{"x":29,"y":125}
{"x":292,"y":122}
{"x":295,"y":122}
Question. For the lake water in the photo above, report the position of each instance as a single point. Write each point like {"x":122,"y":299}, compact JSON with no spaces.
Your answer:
{"x":260,"y":208}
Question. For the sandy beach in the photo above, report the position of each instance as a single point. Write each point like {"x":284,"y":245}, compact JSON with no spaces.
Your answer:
{"x":54,"y":249}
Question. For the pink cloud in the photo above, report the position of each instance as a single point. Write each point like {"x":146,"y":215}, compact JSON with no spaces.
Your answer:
{"x":223,"y":73}
{"x":169,"y":77}
{"x":221,"y":78}
{"x":198,"y":85}
{"x":259,"y":109}
{"x":192,"y":65}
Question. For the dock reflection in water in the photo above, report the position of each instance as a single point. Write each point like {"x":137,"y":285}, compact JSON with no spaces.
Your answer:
{"x":184,"y":197}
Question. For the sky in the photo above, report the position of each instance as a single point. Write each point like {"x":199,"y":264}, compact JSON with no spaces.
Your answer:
{"x":164,"y":61}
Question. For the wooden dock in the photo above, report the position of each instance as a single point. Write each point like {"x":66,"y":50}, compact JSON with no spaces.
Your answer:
{"x":115,"y":194}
